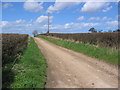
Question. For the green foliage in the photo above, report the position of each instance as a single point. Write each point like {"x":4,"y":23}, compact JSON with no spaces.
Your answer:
{"x":101,"y":53}
{"x":30,"y":71}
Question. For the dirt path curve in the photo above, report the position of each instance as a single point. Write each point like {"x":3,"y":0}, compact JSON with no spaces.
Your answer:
{"x":69,"y":69}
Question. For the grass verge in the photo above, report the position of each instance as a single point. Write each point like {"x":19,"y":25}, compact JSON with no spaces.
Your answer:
{"x":30,"y":69}
{"x":106,"y":54}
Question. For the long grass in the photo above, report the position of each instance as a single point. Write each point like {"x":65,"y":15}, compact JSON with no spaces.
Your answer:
{"x":106,"y":54}
{"x":30,"y":70}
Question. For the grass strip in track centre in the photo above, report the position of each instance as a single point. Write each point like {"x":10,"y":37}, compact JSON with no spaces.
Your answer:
{"x":30,"y":70}
{"x":106,"y":54}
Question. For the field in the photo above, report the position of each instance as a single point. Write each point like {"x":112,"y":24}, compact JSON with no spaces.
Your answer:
{"x":106,"y":54}
{"x":23,"y":65}
{"x":24,"y":60}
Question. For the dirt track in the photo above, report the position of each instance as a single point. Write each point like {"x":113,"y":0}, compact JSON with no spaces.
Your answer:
{"x":69,"y":69}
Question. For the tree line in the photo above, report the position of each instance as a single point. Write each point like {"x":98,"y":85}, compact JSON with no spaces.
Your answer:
{"x":92,"y":30}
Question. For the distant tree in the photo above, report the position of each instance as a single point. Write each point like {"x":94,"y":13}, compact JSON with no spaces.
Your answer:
{"x":35,"y":33}
{"x":93,"y":30}
{"x":118,"y":30}
{"x":100,"y":30}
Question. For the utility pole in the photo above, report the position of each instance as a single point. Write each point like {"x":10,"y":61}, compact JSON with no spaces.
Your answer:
{"x":48,"y":22}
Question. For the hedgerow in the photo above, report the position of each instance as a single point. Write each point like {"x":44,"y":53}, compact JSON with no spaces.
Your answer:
{"x":12,"y":44}
{"x":109,"y":39}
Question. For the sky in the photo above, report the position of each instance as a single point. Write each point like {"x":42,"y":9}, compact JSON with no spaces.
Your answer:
{"x":65,"y":17}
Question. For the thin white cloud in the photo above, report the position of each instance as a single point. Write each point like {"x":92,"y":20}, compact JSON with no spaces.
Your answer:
{"x":94,"y":18}
{"x":107,"y":9}
{"x":20,"y":21}
{"x":79,"y":26}
{"x":99,"y":18}
{"x":44,"y":19}
{"x":22,"y":28}
{"x":3,"y":23}
{"x":92,"y":7}
{"x":60,"y":5}
{"x":113,"y":23}
{"x":81,"y":18}
{"x":106,"y":18}
{"x":72,"y":27}
{"x":6,"y":5}
{"x":32,"y":6}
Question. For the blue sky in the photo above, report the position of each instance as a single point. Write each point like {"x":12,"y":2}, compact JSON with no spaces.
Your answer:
{"x":65,"y":17}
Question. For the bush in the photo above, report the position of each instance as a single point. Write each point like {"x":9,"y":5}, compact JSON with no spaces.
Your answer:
{"x":12,"y":44}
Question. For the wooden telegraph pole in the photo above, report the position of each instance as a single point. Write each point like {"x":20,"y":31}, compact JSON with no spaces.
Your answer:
{"x":48,"y":23}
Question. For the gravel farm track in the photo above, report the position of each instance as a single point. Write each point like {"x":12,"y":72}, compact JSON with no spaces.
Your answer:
{"x":69,"y":69}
